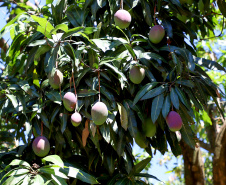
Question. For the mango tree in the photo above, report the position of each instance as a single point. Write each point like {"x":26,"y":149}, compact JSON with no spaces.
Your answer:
{"x":88,"y":83}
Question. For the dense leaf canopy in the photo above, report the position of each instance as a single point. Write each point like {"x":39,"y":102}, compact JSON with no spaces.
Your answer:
{"x":80,"y":39}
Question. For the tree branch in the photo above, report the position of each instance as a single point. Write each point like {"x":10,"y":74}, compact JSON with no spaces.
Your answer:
{"x":31,"y":5}
{"x":206,"y":146}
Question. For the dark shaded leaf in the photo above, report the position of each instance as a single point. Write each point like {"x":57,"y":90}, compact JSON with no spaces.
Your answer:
{"x":143,"y":91}
{"x":140,"y":166}
{"x":212,"y":65}
{"x":154,"y":92}
{"x":166,"y":106}
{"x":168,"y":27}
{"x":147,"y":175}
{"x":81,"y":175}
{"x":222,"y":6}
{"x":44,"y":119}
{"x":174,"y":98}
{"x":55,"y":159}
{"x":156,"y":107}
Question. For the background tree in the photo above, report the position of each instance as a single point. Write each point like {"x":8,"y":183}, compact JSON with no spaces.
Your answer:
{"x":210,"y":123}
{"x":95,"y":57}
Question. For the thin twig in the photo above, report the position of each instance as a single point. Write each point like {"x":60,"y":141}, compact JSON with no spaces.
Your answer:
{"x":211,"y":14}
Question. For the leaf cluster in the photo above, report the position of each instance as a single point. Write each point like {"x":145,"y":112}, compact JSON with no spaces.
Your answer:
{"x":81,"y":40}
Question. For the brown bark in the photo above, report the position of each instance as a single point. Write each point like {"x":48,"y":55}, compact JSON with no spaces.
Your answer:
{"x":3,"y":45}
{"x":193,"y":165}
{"x":219,"y":160}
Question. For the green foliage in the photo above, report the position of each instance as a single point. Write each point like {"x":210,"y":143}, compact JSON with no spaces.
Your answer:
{"x":95,"y":57}
{"x":22,"y":172}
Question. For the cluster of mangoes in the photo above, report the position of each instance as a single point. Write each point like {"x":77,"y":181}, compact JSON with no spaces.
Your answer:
{"x":123,"y":19}
{"x":99,"y":111}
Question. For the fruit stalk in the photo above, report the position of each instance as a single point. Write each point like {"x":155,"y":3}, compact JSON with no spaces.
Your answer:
{"x":99,"y":82}
{"x":121,"y":4}
{"x":154,"y":14}
{"x":73,"y":80}
{"x":41,"y":128}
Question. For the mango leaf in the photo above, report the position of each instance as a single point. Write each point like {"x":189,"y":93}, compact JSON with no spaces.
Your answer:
{"x":182,"y":96}
{"x":123,"y":116}
{"x":132,"y":123}
{"x":147,"y":12}
{"x":105,"y":131}
{"x":38,"y":179}
{"x":63,"y":120}
{"x":193,"y":99}
{"x":49,"y":1}
{"x":187,"y":83}
{"x":14,"y":179}
{"x":110,"y":160}
{"x":166,"y":106}
{"x":161,"y":141}
{"x":212,"y":65}
{"x":55,"y":159}
{"x":81,"y":175}
{"x":168,"y":27}
{"x":71,"y":32}
{"x":59,"y":180}
{"x":154,"y":92}
{"x":81,"y":75}
{"x":140,"y":166}
{"x":35,"y":78}
{"x":51,"y":63}
{"x":41,"y":50}
{"x":156,"y":107}
{"x":13,"y":99}
{"x":54,"y":96}
{"x":222,"y":6}
{"x":122,"y":181}
{"x":186,"y":54}
{"x":215,"y":100}
{"x":115,"y":69}
{"x":173,"y":141}
{"x":146,"y":175}
{"x":108,"y":94}
{"x":174,"y":98}
{"x":113,"y":179}
{"x":58,"y":11}
{"x":104,"y":45}
{"x":152,"y":56}
{"x":86,"y":92}
{"x":44,"y":118}
{"x":150,"y":75}
{"x":186,"y":132}
{"x":43,"y":23}
{"x":143,"y":91}
{"x":76,"y":15}
{"x":54,"y":113}
{"x":19,"y":162}
{"x":62,"y":27}
{"x":120,"y":142}
{"x":10,"y":23}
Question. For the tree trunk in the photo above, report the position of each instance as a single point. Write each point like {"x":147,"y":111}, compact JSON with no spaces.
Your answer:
{"x":193,"y":165}
{"x":219,"y":160}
